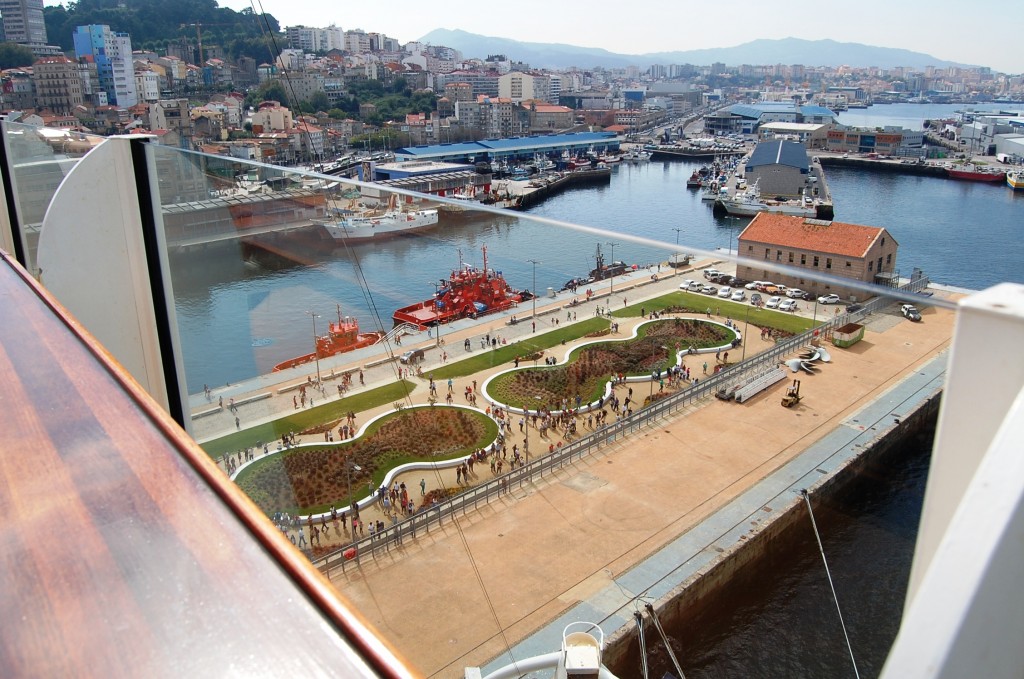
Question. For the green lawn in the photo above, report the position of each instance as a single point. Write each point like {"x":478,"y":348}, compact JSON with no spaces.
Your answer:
{"x":737,"y":311}
{"x":482,"y":359}
{"x":310,"y":417}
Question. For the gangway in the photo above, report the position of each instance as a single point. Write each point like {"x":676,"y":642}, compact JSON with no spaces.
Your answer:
{"x":398,"y":330}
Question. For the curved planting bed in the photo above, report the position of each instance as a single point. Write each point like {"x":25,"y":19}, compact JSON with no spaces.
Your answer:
{"x":590,"y":366}
{"x":309,"y":480}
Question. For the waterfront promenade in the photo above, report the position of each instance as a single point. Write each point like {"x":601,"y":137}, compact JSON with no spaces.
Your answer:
{"x":463,"y":593}
{"x":460,"y":595}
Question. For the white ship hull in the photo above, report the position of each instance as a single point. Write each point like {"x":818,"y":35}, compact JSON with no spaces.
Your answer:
{"x":390,"y":224}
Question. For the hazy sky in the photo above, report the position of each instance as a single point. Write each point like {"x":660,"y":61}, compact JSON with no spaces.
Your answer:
{"x":986,"y":35}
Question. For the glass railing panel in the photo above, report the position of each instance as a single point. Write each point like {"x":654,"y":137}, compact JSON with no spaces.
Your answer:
{"x":268,"y":264}
{"x":40,"y":158}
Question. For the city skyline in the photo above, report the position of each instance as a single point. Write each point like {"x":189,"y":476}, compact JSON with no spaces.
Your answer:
{"x":935,"y":28}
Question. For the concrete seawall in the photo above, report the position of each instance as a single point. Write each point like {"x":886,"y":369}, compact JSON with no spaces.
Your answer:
{"x":699,"y":591}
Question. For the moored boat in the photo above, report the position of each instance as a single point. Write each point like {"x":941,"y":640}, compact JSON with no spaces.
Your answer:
{"x":748,"y":203}
{"x":467,"y":292}
{"x":695,"y":181}
{"x":1015,"y":180}
{"x":975,"y":173}
{"x":341,"y":337}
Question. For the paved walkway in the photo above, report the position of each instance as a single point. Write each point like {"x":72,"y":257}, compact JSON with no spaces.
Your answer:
{"x":261,"y":400}
{"x":467,"y":592}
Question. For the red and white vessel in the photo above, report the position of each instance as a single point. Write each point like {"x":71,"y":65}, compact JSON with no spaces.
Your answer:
{"x":975,"y":173}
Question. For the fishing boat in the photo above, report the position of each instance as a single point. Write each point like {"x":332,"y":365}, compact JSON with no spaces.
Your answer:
{"x":748,"y":203}
{"x":1015,"y":180}
{"x":341,"y":337}
{"x":695,"y":181}
{"x":370,"y":225}
{"x":468,"y":292}
{"x":636,"y":155}
{"x":603,"y":271}
{"x":975,"y":173}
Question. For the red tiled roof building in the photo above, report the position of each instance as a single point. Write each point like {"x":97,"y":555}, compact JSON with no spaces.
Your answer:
{"x":862,"y":253}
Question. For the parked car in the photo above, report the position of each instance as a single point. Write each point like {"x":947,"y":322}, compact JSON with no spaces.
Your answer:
{"x":762,"y":286}
{"x":709,"y":290}
{"x":853,"y":308}
{"x":708,"y":273}
{"x":795,"y":293}
{"x":695,"y":286}
{"x":910,"y":311}
{"x":752,"y":285}
{"x":738,"y":295}
{"x":685,"y":285}
{"x":724,"y":292}
{"x":737,"y":282}
{"x":755,"y":299}
{"x":771,"y":289}
{"x":787,"y":305}
{"x":773,"y":302}
{"x":412,"y":356}
{"x":828,"y":299}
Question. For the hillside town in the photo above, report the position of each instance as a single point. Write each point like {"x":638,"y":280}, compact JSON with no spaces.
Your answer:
{"x":327,"y":90}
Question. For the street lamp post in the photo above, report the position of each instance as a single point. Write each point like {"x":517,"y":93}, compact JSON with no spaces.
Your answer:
{"x":732,"y":226}
{"x":316,"y":349}
{"x":611,"y":284}
{"x":535,"y":263}
{"x":677,"y":230}
{"x":746,"y":321}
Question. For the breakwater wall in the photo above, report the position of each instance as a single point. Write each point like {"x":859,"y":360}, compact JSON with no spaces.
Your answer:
{"x":533,"y":196}
{"x":922,"y":169}
{"x":697,"y":595}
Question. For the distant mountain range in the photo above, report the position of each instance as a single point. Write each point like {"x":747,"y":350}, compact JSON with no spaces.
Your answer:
{"x":783,"y":51}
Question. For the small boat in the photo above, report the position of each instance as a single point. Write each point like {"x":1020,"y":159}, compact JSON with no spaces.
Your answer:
{"x":695,"y":181}
{"x":341,"y":337}
{"x":975,"y":173}
{"x":1015,"y":180}
{"x":468,"y":292}
{"x":636,"y":155}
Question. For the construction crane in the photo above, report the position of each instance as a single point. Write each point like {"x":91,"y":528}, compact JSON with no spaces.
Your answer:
{"x":199,"y":36}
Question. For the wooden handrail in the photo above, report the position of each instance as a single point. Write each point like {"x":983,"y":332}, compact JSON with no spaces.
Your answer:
{"x":126,"y":551}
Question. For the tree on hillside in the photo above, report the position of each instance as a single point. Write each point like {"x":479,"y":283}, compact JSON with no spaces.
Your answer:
{"x":272,"y":90}
{"x":13,"y":55}
{"x":156,"y":22}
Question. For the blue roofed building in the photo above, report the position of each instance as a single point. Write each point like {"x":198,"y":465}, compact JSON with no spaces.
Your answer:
{"x":779,"y":167}
{"x":747,"y":118}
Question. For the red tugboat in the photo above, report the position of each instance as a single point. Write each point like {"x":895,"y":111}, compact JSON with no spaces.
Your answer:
{"x":468,"y":292}
{"x":341,"y":337}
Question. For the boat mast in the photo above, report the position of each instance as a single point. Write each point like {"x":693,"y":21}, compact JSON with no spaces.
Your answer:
{"x":485,"y":261}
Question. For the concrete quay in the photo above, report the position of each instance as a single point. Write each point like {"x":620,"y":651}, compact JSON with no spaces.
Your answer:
{"x":581,"y":544}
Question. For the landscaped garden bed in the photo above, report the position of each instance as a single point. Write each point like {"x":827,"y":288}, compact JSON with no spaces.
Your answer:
{"x":589,"y":367}
{"x":302,"y":481}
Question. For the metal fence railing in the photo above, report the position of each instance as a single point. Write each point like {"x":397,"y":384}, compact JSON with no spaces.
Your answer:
{"x":424,"y":520}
